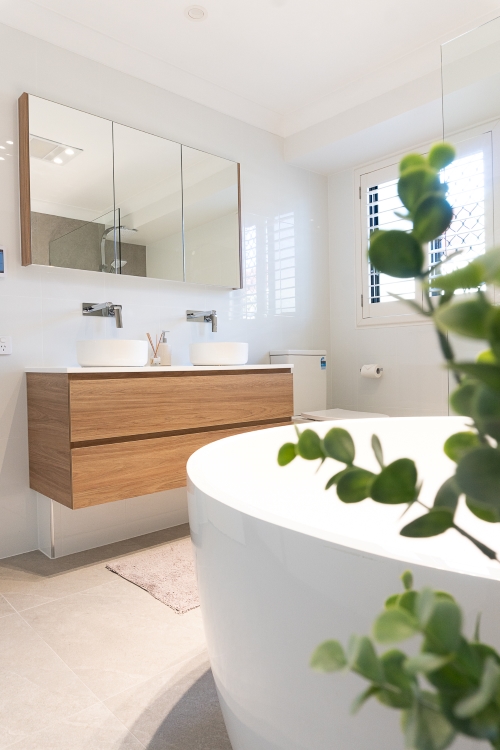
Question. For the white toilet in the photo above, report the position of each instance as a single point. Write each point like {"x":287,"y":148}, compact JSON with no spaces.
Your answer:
{"x":309,"y":386}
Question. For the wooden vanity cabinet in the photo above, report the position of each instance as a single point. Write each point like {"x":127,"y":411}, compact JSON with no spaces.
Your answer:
{"x":99,"y":437}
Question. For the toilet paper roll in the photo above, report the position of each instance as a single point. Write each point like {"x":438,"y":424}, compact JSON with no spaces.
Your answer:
{"x":372,"y":371}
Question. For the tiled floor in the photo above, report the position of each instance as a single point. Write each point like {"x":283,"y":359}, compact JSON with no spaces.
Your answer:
{"x":88,"y":660}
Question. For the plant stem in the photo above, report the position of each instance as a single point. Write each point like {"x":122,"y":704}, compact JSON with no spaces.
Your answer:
{"x":482,"y":547}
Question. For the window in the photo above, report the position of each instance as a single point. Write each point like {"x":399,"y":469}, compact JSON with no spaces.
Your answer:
{"x":467,"y":193}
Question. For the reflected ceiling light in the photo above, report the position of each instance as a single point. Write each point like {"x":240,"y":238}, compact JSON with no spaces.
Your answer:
{"x":3,"y":147}
{"x":57,"y":153}
{"x":196,"y":13}
{"x":11,"y":143}
{"x":1,"y":158}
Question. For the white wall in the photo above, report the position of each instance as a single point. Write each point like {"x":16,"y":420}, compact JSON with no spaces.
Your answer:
{"x":41,"y":307}
{"x":414,"y":382}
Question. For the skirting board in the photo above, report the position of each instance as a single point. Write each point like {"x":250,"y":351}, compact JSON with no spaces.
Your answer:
{"x":62,"y":531}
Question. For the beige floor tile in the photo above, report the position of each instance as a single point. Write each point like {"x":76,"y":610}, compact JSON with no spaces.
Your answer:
{"x":20,"y":601}
{"x":36,"y":687}
{"x":116,"y":635}
{"x":94,"y":728}
{"x":175,"y":710}
{"x":5,"y":607}
{"x":57,"y":586}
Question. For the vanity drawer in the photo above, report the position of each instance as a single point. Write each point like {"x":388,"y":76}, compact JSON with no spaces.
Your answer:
{"x":104,"y":408}
{"x":115,"y":471}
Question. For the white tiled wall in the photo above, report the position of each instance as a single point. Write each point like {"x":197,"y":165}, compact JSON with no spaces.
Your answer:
{"x":41,"y":307}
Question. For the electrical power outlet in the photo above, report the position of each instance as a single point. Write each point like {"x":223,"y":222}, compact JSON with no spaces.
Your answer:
{"x":5,"y":344}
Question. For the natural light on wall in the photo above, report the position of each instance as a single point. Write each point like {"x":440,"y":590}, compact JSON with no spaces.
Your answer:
{"x":466,"y":193}
{"x":284,"y":264}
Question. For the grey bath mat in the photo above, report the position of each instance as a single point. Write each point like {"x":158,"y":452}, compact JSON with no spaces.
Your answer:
{"x":167,"y":573}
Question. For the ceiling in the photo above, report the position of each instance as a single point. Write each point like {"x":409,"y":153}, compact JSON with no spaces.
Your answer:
{"x":281,"y":64}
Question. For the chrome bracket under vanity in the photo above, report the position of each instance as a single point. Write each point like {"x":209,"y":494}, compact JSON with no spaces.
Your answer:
{"x":102,"y":434}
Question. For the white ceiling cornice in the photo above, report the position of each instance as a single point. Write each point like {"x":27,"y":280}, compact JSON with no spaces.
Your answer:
{"x":56,"y":29}
{"x":315,"y":119}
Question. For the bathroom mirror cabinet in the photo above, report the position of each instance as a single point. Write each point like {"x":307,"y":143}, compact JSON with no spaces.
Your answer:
{"x":104,"y":197}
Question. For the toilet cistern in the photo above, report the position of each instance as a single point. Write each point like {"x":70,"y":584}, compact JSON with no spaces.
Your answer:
{"x":104,"y":309}
{"x":207,"y":316}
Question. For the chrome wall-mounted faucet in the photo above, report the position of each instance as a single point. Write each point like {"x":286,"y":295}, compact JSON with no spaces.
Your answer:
{"x":104,"y":309}
{"x":207,"y":316}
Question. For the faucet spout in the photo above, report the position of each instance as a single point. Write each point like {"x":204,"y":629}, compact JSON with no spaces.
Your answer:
{"x":105,"y":310}
{"x":207,"y":316}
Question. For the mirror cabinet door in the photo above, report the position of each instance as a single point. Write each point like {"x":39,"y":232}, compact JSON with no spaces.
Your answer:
{"x":71,"y":185}
{"x":100,"y":196}
{"x":212,"y":244}
{"x":148,"y":201}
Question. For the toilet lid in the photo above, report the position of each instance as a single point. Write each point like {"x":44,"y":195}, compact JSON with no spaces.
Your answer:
{"x":327,"y":414}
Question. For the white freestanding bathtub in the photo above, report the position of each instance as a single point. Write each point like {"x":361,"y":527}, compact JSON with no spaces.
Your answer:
{"x":283,"y":565}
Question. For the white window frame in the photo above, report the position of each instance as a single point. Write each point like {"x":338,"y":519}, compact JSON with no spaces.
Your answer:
{"x":398,"y":313}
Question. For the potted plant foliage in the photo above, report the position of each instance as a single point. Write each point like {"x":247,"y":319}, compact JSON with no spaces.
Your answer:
{"x":452,"y":686}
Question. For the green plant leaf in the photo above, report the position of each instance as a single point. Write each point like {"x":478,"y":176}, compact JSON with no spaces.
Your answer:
{"x":488,"y":374}
{"x":486,"y":410}
{"x":407,"y":579}
{"x":443,"y":627}
{"x":424,"y":606}
{"x":459,"y":443}
{"x":486,"y":357}
{"x":447,"y":495}
{"x":415,"y":182}
{"x":411,"y":160}
{"x":393,"y":625}
{"x":462,"y":398}
{"x":396,"y":483}
{"x":391,"y":601}
{"x":478,"y":476}
{"x":490,"y":262}
{"x":408,"y":601}
{"x":425,"y":663}
{"x":361,"y":699}
{"x":396,"y":253}
{"x":395,"y":675}
{"x":338,"y":444}
{"x":489,"y":685}
{"x":286,"y":454}
{"x":329,"y":657}
{"x":377,"y":449}
{"x":484,"y":512}
{"x":426,"y":728}
{"x":336,"y":477}
{"x":468,"y":277}
{"x":441,"y":155}
{"x":467,"y":317}
{"x":362,"y":658}
{"x":309,"y":445}
{"x":355,"y":485}
{"x":431,"y":217}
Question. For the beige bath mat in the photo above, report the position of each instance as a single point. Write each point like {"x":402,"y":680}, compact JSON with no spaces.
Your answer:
{"x":166,"y":572}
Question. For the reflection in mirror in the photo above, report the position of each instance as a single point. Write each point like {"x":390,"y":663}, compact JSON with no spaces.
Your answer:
{"x":211,"y":219}
{"x":71,"y":179}
{"x":148,"y":199}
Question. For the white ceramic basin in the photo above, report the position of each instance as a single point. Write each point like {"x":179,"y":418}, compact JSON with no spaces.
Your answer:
{"x":218,"y":353}
{"x":112,"y":353}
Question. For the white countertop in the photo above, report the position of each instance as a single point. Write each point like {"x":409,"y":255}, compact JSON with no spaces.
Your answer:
{"x":158,"y":369}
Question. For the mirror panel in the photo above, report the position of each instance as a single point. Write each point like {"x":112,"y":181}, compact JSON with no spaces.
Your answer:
{"x":71,"y":181}
{"x":211,"y":219}
{"x":99,"y":196}
{"x":148,"y":199}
